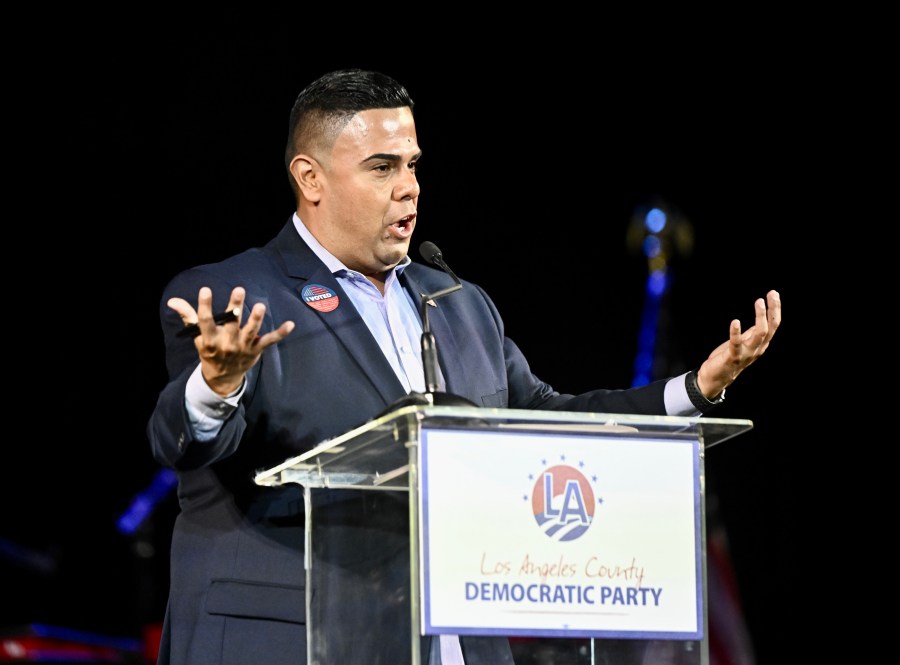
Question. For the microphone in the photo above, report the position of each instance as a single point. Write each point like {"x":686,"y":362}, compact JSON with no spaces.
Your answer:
{"x":432,"y":395}
{"x":432,"y":254}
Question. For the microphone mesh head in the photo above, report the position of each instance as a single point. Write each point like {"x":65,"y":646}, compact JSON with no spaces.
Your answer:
{"x":429,"y":251}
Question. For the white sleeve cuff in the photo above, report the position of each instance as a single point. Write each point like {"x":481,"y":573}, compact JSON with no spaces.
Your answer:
{"x":207,"y":410}
{"x":676,"y":396}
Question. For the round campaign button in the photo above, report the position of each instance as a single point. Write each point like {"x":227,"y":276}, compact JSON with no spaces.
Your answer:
{"x":319,"y":297}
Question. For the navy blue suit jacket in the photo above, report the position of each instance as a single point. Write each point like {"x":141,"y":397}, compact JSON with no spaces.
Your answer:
{"x":237,"y":563}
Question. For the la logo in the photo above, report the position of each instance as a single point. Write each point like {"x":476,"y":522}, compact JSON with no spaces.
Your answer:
{"x":572,"y":506}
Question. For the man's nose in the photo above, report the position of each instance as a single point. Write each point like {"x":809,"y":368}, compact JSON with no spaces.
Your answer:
{"x":408,"y":187}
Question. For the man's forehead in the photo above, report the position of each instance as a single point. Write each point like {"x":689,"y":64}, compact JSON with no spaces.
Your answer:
{"x":380,"y":130}
{"x":386,"y":120}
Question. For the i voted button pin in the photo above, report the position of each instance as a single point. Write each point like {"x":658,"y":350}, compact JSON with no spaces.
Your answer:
{"x":319,"y":297}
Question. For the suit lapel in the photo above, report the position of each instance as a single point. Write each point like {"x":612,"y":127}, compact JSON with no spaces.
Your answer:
{"x":343,"y":321}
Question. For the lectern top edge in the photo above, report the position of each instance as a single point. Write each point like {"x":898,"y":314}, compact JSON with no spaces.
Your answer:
{"x":397,"y":425}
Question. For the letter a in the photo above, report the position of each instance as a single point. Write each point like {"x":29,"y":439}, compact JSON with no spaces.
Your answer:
{"x":573,"y":503}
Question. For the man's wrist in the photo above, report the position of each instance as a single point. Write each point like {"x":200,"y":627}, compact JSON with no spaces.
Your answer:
{"x":698,"y":399}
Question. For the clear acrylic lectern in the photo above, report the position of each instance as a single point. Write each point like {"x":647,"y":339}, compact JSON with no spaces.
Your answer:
{"x":538,"y":523}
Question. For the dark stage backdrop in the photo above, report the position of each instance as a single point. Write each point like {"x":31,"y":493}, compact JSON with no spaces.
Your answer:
{"x":167,"y":153}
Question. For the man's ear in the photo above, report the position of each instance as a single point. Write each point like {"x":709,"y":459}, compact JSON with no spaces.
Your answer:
{"x":307,"y":174}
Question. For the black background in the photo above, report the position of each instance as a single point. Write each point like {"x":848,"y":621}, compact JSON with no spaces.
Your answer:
{"x":140,"y":157}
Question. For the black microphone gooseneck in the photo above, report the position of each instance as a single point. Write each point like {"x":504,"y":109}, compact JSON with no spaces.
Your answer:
{"x":432,"y":395}
{"x":432,"y":254}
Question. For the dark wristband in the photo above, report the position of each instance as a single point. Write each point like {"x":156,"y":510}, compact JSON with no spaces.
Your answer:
{"x":698,"y":399}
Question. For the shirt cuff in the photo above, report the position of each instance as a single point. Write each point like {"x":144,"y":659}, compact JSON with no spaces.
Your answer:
{"x":678,"y":403}
{"x":207,"y":410}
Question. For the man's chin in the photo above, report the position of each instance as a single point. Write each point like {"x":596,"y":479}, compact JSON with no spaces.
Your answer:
{"x":394,"y":254}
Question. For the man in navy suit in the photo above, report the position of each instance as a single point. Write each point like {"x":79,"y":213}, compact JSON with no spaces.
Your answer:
{"x":322,"y":333}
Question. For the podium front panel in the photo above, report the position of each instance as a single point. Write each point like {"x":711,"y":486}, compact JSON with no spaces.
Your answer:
{"x":548,"y":533}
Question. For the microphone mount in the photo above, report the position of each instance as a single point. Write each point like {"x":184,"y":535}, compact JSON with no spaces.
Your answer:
{"x":432,"y":396}
{"x":432,"y":254}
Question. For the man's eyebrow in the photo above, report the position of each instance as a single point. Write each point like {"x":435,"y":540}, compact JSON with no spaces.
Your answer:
{"x":390,"y":157}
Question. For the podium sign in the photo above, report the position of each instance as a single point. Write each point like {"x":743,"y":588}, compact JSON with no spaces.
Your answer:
{"x":536,"y":523}
{"x":557,"y":534}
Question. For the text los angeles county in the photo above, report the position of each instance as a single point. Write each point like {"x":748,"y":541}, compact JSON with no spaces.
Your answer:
{"x":543,"y":591}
